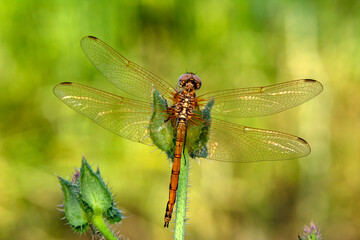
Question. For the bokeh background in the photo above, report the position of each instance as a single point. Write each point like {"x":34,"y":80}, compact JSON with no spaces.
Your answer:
{"x":229,"y":44}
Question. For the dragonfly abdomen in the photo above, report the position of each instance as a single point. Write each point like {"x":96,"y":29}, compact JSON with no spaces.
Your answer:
{"x":175,"y":172}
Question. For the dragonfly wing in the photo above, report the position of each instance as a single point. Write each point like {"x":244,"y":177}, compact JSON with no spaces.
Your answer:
{"x":126,"y":117}
{"x":230,"y":142}
{"x":124,"y":74}
{"x":261,"y":101}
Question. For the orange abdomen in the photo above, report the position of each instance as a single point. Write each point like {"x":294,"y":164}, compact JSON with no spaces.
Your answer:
{"x":174,"y":179}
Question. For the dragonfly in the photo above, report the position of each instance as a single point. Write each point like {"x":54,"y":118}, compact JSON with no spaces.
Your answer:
{"x":175,"y":119}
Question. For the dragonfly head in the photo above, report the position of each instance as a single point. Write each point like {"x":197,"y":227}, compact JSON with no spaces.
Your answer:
{"x":189,"y":78}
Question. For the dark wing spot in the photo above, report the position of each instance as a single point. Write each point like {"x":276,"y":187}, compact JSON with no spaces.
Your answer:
{"x":66,"y":83}
{"x":309,"y":80}
{"x":92,"y":37}
{"x":302,"y":140}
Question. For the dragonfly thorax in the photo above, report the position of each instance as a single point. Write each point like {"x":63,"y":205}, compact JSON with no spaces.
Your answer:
{"x":189,"y":80}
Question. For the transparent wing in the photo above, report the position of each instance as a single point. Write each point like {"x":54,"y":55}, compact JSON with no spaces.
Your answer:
{"x":230,"y":142}
{"x":261,"y":101}
{"x":124,"y":74}
{"x":126,"y":117}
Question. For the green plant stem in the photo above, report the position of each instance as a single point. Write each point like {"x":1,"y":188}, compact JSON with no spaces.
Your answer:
{"x":181,"y":198}
{"x":101,"y":226}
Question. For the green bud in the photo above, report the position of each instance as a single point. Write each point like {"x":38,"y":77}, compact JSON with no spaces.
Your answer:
{"x":74,"y":210}
{"x":161,"y":131}
{"x":199,"y":133}
{"x":93,"y":190}
{"x":311,"y":232}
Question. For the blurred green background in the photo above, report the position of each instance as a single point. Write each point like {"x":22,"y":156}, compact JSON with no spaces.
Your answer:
{"x":229,"y":44}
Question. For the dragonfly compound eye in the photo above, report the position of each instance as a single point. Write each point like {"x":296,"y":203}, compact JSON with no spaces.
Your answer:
{"x":195,"y":79}
{"x":183,"y":79}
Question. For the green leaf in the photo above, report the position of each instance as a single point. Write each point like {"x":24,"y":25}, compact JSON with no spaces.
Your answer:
{"x":113,"y":215}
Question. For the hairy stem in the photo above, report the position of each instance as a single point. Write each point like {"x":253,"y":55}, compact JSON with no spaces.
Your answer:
{"x":101,"y":226}
{"x":181,"y":198}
